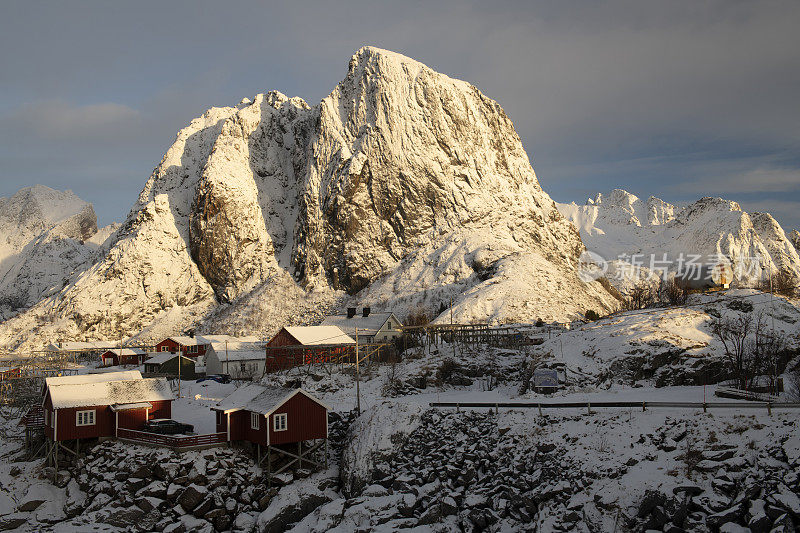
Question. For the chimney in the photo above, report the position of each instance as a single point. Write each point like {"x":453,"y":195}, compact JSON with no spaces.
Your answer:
{"x":351,"y":312}
{"x":366,"y":312}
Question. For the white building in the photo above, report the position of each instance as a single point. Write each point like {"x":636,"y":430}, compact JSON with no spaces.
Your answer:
{"x":372,"y":327}
{"x":240,"y":360}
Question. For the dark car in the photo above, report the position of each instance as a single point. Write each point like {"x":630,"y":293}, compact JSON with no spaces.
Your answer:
{"x":219,"y":378}
{"x":166,"y":426}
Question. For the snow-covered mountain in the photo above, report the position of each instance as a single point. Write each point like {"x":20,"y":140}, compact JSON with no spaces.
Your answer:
{"x":45,"y":236}
{"x":619,"y":224}
{"x":403,"y":188}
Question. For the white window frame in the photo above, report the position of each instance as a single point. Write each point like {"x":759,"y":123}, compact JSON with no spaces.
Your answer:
{"x":165,"y":348}
{"x":280,"y":422}
{"x":255,"y":421}
{"x":85,"y":418}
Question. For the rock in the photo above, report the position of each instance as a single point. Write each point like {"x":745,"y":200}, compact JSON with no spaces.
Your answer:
{"x":125,"y":518}
{"x":650,"y":501}
{"x":222,"y":522}
{"x":76,"y":499}
{"x":690,"y":489}
{"x":12,"y":521}
{"x":718,"y":455}
{"x":191,"y":497}
{"x":62,"y":478}
{"x":448,"y":506}
{"x":204,"y":507}
{"x":731,"y":514}
{"x":732,"y":527}
{"x":786,"y":499}
{"x":15,"y":471}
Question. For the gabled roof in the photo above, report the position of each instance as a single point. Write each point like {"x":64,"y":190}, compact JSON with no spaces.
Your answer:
{"x":260,"y":399}
{"x":163,"y":357}
{"x":319,"y":335}
{"x":369,"y":325}
{"x":198,"y":340}
{"x":125,"y":351}
{"x":82,"y":379}
{"x":126,"y":391}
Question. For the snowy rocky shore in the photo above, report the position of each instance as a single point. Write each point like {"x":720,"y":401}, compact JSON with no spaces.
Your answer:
{"x":482,"y":471}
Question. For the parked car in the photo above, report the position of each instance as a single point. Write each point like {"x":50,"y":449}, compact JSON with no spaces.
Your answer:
{"x":219,"y":378}
{"x":166,"y":426}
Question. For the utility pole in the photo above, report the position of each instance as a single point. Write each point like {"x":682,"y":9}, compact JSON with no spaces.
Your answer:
{"x":358,"y":379}
{"x":179,"y":374}
{"x":227,"y":364}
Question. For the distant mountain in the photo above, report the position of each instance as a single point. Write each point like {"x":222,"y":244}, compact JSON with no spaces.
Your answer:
{"x":619,"y":224}
{"x":403,"y":188}
{"x":45,"y":237}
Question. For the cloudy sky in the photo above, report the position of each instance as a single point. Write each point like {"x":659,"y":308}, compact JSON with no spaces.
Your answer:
{"x":677,"y":99}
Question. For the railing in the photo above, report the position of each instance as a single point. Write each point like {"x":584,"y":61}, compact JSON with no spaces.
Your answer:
{"x":730,"y":392}
{"x":628,"y":405}
{"x":172,"y":441}
{"x":34,"y":418}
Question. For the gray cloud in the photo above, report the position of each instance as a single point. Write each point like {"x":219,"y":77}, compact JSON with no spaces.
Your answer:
{"x":675,"y":99}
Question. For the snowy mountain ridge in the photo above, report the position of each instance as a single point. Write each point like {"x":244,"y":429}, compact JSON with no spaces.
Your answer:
{"x":403,"y":188}
{"x":619,"y":224}
{"x":45,"y":235}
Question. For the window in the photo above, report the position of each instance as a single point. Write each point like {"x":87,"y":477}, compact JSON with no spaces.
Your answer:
{"x":165,"y":348}
{"x":254,"y":420}
{"x":84,"y":418}
{"x":220,"y":417}
{"x":279,"y":423}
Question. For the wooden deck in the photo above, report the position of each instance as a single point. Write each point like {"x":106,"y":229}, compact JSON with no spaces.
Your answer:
{"x":175,"y":442}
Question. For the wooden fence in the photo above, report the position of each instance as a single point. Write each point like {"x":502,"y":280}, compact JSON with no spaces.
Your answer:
{"x":173,"y":441}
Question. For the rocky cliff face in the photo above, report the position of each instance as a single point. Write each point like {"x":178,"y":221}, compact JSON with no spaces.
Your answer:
{"x":45,"y":237}
{"x":621,"y":225}
{"x":275,"y":200}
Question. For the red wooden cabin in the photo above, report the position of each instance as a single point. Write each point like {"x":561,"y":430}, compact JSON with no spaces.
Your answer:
{"x":123,"y":356}
{"x":272,"y":416}
{"x":95,"y":405}
{"x":305,"y":345}
{"x":188,"y":346}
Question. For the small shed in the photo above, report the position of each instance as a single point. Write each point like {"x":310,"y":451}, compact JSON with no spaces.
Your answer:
{"x":167,"y":363}
{"x":122,"y":356}
{"x":304,"y":345}
{"x":288,"y":423}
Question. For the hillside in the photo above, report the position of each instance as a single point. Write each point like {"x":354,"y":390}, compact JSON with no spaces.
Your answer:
{"x":403,"y":188}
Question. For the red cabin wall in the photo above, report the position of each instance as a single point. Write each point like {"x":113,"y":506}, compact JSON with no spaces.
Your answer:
{"x":241,"y":430}
{"x":306,"y":420}
{"x":133,"y":418}
{"x":161,"y":409}
{"x":171,"y":345}
{"x":68,"y":429}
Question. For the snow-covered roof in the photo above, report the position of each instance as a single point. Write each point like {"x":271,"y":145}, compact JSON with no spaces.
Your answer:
{"x":317,"y":335}
{"x":241,"y":355}
{"x":118,"y":392}
{"x":83,"y":379}
{"x":127,"y":406}
{"x":367,"y":325}
{"x":221,"y":347}
{"x":199,"y":340}
{"x":260,"y":399}
{"x":126,"y":351}
{"x":163,"y":357}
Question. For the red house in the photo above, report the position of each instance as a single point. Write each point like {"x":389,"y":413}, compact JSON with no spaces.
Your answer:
{"x":277,"y":418}
{"x":304,"y":345}
{"x":188,"y":346}
{"x":94,"y":405}
{"x":123,"y":356}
